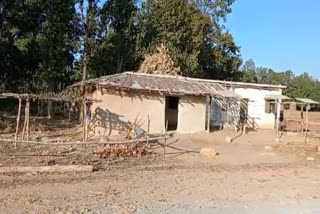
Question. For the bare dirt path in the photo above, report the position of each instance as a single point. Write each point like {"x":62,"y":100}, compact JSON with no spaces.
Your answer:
{"x":244,"y":178}
{"x":165,"y":187}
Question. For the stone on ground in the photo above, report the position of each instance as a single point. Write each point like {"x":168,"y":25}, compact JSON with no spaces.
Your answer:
{"x":268,"y":148}
{"x":228,"y":139}
{"x":209,"y":152}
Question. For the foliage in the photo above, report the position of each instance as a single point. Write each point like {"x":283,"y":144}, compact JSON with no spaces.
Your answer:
{"x":193,"y":34}
{"x":36,"y":43}
{"x":47,"y":44}
{"x":303,"y":86}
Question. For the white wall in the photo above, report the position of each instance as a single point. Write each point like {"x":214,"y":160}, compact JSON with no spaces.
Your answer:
{"x":256,"y":108}
{"x":257,"y":105}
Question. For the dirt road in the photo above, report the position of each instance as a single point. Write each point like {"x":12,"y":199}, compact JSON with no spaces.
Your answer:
{"x":167,"y":187}
{"x":244,"y":178}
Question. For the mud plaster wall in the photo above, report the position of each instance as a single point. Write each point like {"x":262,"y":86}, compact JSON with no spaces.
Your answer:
{"x":111,"y":116}
{"x":116,"y":109}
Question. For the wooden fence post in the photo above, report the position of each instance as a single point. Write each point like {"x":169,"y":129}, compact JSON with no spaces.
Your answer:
{"x":28,"y":118}
{"x":18,"y":124}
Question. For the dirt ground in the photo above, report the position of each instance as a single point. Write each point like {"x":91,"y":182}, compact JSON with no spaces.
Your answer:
{"x":253,"y":174}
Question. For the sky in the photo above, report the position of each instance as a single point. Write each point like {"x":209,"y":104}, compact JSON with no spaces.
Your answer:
{"x":278,"y":34}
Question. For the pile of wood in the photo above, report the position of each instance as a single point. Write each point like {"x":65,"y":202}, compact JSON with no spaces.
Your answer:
{"x":159,"y":63}
{"x":127,"y":150}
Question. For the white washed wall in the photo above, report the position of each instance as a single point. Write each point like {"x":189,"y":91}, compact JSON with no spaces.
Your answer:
{"x":256,"y":108}
{"x":257,"y":105}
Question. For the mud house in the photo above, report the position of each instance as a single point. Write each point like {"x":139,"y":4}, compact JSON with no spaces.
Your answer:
{"x":187,"y":105}
{"x":153,"y":99}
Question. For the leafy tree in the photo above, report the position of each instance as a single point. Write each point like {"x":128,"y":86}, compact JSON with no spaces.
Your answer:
{"x":36,"y":43}
{"x":304,"y":86}
{"x":248,"y":72}
{"x":118,"y":44}
{"x":193,"y":33}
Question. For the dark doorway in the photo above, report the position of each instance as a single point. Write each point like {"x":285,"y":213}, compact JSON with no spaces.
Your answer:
{"x":171,"y":112}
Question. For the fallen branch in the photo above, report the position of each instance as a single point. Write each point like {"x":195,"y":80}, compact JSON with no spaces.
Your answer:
{"x":56,"y":168}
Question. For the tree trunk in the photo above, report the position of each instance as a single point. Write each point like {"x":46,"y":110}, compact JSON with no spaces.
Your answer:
{"x":119,"y":64}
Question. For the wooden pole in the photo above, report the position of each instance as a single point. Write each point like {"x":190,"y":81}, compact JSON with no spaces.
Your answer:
{"x":84,"y":121}
{"x":148,"y":127}
{"x":18,"y":124}
{"x":148,"y":123}
{"x":227,"y":109}
{"x":307,"y":121}
{"x":24,"y":123}
{"x":28,"y":118}
{"x":165,"y":140}
{"x":278,"y":116}
{"x":48,"y":169}
{"x":139,"y":140}
{"x":209,"y":114}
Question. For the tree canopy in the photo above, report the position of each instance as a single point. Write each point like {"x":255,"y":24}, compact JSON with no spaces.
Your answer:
{"x":46,"y":45}
{"x":303,"y":85}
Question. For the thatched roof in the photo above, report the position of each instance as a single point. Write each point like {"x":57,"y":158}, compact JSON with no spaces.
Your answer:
{"x":163,"y":84}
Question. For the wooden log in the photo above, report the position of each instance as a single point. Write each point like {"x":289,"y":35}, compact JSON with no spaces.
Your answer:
{"x":139,"y":140}
{"x":47,"y":169}
{"x":18,"y":123}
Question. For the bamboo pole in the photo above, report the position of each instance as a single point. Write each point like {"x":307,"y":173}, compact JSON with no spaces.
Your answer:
{"x":18,"y":124}
{"x":45,"y":143}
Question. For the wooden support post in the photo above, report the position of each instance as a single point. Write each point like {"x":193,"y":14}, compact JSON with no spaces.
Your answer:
{"x":209,"y":114}
{"x":278,"y":116}
{"x":84,"y":121}
{"x":18,"y":124}
{"x":24,"y":123}
{"x":28,"y":118}
{"x":148,"y":128}
{"x":165,"y":140}
{"x":307,"y":121}
{"x":227,"y":111}
{"x":148,"y":123}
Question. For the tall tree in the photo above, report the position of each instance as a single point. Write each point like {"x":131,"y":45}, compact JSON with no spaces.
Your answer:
{"x":248,"y":72}
{"x":91,"y":30}
{"x":36,"y":43}
{"x":193,"y":33}
{"x":116,"y":52}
